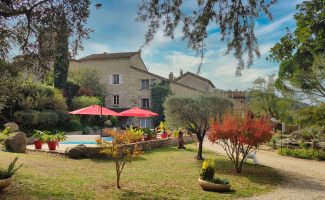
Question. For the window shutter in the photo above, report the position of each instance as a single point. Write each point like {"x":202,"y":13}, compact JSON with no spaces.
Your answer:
{"x":120,"y":76}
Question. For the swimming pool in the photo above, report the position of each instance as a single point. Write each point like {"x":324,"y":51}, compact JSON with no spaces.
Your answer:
{"x":106,"y":139}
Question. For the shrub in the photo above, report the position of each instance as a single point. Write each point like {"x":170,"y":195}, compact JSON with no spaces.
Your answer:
{"x":114,"y":121}
{"x":119,"y":153}
{"x":41,"y":97}
{"x":207,"y":172}
{"x":74,"y":125}
{"x":10,"y":171}
{"x":47,"y":119}
{"x":134,"y":134}
{"x":303,"y":153}
{"x":89,"y":81}
{"x":240,"y":136}
{"x":84,"y":101}
{"x":4,"y":134}
{"x":30,"y":120}
{"x":63,"y":118}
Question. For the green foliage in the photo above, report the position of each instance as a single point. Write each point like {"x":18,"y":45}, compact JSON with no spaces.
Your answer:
{"x":4,"y":134}
{"x":11,"y":170}
{"x":114,"y":121}
{"x":301,"y":54}
{"x":149,"y":132}
{"x":39,"y":135}
{"x":40,"y":97}
{"x":207,"y":172}
{"x":194,"y":113}
{"x":303,"y":153}
{"x":158,"y":95}
{"x":89,"y":79}
{"x":32,"y":119}
{"x":59,"y":137}
{"x":74,"y":125}
{"x":84,"y":101}
{"x":62,"y":56}
{"x":9,"y":83}
{"x":235,"y":21}
{"x":47,"y":136}
{"x":311,"y":133}
{"x":134,"y":134}
{"x":312,"y":115}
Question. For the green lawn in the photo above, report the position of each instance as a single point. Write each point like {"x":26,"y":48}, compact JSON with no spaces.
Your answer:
{"x":166,"y":173}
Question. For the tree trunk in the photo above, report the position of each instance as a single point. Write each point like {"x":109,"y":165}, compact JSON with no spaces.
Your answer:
{"x":117,"y":166}
{"x":199,"y":152}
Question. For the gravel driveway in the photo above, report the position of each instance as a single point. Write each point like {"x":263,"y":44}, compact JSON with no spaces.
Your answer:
{"x":304,"y":179}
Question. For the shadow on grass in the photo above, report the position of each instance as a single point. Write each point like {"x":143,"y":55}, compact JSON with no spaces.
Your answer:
{"x":255,"y":173}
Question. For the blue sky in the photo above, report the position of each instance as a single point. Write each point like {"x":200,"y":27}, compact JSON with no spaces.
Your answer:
{"x":115,"y":30}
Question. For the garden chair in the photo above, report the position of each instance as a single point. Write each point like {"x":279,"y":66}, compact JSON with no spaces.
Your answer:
{"x":252,"y":156}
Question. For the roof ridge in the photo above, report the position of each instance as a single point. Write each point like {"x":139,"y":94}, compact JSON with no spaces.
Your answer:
{"x":195,"y":75}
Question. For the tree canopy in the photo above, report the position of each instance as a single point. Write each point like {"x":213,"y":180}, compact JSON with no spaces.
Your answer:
{"x":301,"y":53}
{"x":194,"y":113}
{"x":22,"y":22}
{"x":235,"y":19}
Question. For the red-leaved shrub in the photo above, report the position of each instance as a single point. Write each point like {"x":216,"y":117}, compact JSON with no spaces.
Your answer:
{"x":239,"y":136}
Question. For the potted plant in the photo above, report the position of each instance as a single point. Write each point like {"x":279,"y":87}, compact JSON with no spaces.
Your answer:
{"x":148,"y":134}
{"x":208,"y":181}
{"x":53,"y":140}
{"x":6,"y":175}
{"x":39,"y":139}
{"x":163,"y":129}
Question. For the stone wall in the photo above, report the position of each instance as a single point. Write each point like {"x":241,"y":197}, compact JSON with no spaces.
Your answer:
{"x":82,"y":151}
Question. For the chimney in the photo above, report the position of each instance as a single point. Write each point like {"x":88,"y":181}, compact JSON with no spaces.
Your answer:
{"x":181,"y":72}
{"x":171,"y":76}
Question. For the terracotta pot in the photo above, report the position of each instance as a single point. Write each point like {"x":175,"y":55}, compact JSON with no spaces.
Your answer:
{"x":5,"y":182}
{"x":207,"y":186}
{"x":52,"y":145}
{"x":38,"y":144}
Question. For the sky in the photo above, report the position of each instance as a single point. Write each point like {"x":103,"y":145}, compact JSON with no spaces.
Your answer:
{"x":115,"y":30}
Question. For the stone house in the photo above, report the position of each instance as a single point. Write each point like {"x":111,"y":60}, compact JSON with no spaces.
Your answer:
{"x":128,"y":80}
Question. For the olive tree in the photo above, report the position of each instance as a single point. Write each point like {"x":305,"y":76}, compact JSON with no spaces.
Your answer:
{"x":194,"y":113}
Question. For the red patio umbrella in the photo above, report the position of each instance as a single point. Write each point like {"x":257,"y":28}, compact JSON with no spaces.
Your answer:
{"x":94,"y":110}
{"x":137,"y":112}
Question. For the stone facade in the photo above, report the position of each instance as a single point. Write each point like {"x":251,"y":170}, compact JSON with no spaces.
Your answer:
{"x":134,"y":80}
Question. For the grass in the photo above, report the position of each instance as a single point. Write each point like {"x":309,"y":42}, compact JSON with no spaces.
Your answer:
{"x":166,"y":173}
{"x":303,"y":153}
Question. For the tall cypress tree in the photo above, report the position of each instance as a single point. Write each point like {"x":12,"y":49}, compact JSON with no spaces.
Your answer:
{"x":61,"y":57}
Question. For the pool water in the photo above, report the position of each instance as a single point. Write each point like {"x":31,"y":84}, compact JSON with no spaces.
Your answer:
{"x":106,"y":139}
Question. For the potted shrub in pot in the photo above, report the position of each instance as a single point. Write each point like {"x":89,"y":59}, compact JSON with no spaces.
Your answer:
{"x":163,"y":129}
{"x":149,"y":134}
{"x":53,"y":140}
{"x":40,"y":137}
{"x":6,"y":175}
{"x":208,"y":181}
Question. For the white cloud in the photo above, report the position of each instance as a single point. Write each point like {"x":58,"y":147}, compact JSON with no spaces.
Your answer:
{"x":174,"y":62}
{"x":270,"y":28}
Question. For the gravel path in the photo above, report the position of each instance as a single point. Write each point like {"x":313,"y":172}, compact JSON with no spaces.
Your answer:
{"x":304,"y":179}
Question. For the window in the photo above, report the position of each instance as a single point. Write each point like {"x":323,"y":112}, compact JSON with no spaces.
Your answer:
{"x":145,"y":84}
{"x":145,"y":103}
{"x":116,"y":100}
{"x":116,"y":79}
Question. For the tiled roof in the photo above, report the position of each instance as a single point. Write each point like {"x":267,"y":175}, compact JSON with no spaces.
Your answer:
{"x":234,"y":94}
{"x":160,"y":77}
{"x":109,"y":55}
{"x":196,"y":76}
